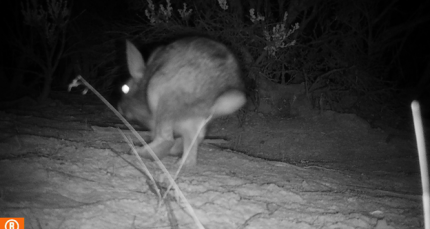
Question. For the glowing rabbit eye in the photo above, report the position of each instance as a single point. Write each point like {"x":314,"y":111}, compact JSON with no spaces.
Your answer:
{"x":125,"y":88}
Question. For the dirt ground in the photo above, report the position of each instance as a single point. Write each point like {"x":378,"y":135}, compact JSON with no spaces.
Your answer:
{"x":64,"y":165}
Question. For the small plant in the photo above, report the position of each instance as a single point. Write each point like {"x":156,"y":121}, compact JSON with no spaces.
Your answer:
{"x":45,"y":47}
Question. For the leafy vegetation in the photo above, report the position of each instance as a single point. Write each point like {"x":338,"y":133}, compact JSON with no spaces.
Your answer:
{"x":346,"y":52}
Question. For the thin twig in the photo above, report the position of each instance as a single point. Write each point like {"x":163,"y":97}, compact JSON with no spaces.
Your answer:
{"x":77,"y":81}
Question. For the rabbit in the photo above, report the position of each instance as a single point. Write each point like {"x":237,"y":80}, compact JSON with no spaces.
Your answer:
{"x":177,"y":89}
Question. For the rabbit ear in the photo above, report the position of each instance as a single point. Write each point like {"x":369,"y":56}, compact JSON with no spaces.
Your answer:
{"x":136,"y":65}
{"x":228,"y":102}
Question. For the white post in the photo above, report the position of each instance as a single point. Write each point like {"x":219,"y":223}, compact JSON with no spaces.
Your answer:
{"x":419,"y":133}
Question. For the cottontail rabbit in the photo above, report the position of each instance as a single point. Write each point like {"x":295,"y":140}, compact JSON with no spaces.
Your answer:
{"x":177,"y":89}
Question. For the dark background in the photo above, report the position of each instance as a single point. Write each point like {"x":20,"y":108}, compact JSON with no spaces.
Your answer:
{"x":410,"y":75}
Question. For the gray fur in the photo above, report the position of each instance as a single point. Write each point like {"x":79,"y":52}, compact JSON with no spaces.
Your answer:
{"x":180,"y":86}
